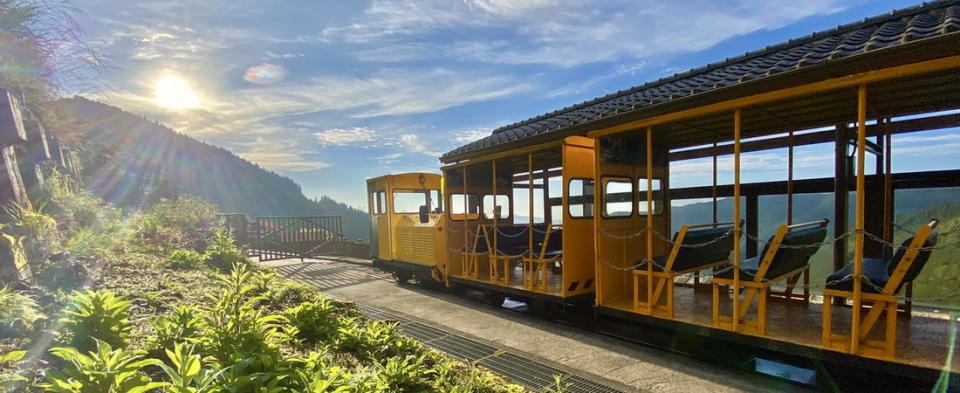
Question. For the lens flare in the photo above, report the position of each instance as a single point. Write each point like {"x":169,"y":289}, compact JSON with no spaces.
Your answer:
{"x":174,"y":93}
{"x":265,"y":74}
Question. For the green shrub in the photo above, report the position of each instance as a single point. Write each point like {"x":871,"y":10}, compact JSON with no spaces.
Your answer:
{"x":10,"y":378}
{"x":223,"y":253}
{"x":94,"y":316}
{"x":184,"y":324}
{"x":315,"y":321}
{"x":104,"y":370}
{"x":404,"y":374}
{"x":186,"y":372}
{"x":237,"y":330}
{"x":174,"y":224}
{"x":18,"y":313}
{"x":185,"y":259}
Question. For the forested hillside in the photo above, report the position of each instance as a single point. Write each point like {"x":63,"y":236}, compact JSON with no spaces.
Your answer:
{"x":129,"y":160}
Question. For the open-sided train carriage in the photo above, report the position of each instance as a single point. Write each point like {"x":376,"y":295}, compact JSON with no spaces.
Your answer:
{"x":520,"y":223}
{"x":595,"y":178}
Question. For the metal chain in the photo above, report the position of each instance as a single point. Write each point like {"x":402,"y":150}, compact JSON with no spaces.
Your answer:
{"x":518,"y":234}
{"x":695,"y":245}
{"x":622,"y":237}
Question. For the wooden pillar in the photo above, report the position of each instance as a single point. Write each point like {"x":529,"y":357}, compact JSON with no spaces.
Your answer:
{"x":841,"y":189}
{"x":649,"y":196}
{"x":790,"y":180}
{"x":858,"y":239}
{"x":736,"y":220}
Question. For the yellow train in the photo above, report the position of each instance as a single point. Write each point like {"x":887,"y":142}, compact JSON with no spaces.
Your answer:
{"x":572,"y":209}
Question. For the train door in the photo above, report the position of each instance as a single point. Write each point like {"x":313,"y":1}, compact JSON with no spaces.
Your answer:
{"x":578,"y":191}
{"x":379,"y":219}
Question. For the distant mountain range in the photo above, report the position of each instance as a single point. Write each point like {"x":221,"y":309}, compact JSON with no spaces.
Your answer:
{"x":127,"y":157}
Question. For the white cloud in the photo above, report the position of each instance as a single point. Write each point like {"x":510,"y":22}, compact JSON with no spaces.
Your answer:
{"x":346,"y":136}
{"x":467,"y":136}
{"x":568,"y":33}
{"x":414,"y":144}
{"x":275,"y":155}
{"x":291,"y":55}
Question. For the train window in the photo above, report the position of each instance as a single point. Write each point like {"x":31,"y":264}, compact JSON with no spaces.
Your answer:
{"x":436,"y":201}
{"x":377,"y":200}
{"x":457,"y":208}
{"x":642,"y":199}
{"x":502,"y":202}
{"x":617,"y":197}
{"x":580,"y":198}
{"x":409,"y":201}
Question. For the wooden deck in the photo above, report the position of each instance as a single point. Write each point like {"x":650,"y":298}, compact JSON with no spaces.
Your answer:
{"x":921,"y":341}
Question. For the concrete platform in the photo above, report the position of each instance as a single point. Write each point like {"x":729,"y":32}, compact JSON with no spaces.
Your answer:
{"x":619,"y":363}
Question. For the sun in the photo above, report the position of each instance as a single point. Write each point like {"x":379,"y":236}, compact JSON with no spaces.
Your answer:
{"x":174,"y":93}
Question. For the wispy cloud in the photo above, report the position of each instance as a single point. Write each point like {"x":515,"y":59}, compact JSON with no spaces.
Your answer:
{"x":345,"y":136}
{"x":275,"y":155}
{"x":568,"y":33}
{"x":467,"y":136}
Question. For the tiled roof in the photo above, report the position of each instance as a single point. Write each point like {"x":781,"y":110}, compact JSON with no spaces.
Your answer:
{"x":894,"y":29}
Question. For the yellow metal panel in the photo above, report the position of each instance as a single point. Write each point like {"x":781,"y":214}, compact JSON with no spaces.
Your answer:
{"x":578,"y":233}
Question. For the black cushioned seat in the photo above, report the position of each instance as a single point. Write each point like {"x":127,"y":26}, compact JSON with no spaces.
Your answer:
{"x":879,"y":270}
{"x":692,"y":257}
{"x":787,"y":259}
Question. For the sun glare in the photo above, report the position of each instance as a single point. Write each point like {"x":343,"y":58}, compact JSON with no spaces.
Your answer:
{"x":174,"y":93}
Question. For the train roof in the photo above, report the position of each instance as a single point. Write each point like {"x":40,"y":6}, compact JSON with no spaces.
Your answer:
{"x":854,"y":47}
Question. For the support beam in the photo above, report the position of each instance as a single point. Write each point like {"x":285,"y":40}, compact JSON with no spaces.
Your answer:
{"x":897,"y":127}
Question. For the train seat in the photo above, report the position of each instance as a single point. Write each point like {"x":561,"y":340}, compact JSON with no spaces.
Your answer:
{"x":693,"y":258}
{"x":887,"y":277}
{"x":800,"y":246}
{"x":785,"y":256}
{"x":879,"y":270}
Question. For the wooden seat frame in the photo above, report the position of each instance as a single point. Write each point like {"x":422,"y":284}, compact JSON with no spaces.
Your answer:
{"x":761,"y":285}
{"x":535,"y":266}
{"x":886,"y":301}
{"x":665,"y":279}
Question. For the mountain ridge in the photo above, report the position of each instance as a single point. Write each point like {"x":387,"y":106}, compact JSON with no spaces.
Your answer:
{"x":126,"y":158}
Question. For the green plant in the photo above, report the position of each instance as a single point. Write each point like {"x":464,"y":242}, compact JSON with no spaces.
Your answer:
{"x":18,"y":313}
{"x":10,"y":378}
{"x":184,"y":324}
{"x":187,"y":373}
{"x":94,"y":316}
{"x":104,"y":370}
{"x":185,"y":259}
{"x":558,"y":385}
{"x":235,"y":329}
{"x":223,"y":252}
{"x":315,"y":321}
{"x":404,"y":374}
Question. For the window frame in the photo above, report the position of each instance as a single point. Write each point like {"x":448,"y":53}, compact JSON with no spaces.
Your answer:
{"x":604,"y":180}
{"x":425,"y":191}
{"x":569,"y":205}
{"x":465,"y":215}
{"x":657,"y":202}
{"x":483,"y":206}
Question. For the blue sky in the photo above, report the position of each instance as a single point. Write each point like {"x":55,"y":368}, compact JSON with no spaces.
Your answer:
{"x":332,"y":92}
